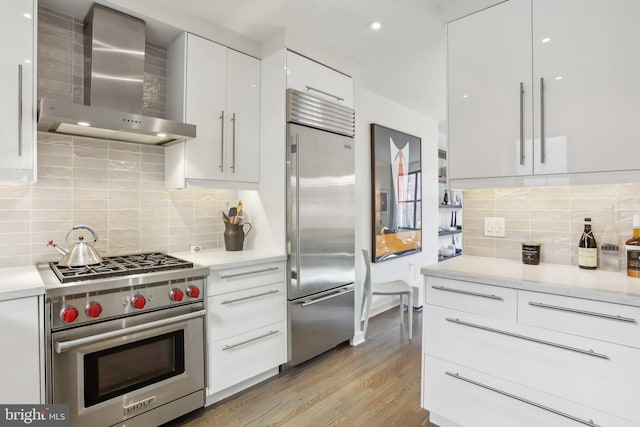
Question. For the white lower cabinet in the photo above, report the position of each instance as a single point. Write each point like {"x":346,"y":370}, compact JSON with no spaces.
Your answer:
{"x":470,"y":398}
{"x":551,"y":365}
{"x":21,"y":340}
{"x":246,"y":327}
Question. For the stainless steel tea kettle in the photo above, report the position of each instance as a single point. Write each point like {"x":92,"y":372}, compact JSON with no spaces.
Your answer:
{"x":81,"y":253}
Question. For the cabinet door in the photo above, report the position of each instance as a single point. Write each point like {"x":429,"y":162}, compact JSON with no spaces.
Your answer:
{"x":586,"y":51}
{"x":489,"y":61}
{"x":242,"y":161}
{"x":17,"y":80}
{"x":20,"y":333}
{"x":311,"y":77}
{"x":205,"y":100}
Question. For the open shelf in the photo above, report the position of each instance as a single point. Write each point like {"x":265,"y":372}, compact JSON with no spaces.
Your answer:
{"x":444,"y":258}
{"x":448,"y":232}
{"x":450,"y":206}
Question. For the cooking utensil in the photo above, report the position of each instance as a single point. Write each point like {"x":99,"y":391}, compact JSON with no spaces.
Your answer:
{"x":81,"y":253}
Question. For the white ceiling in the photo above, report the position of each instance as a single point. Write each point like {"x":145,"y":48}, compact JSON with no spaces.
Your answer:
{"x":404,"y":61}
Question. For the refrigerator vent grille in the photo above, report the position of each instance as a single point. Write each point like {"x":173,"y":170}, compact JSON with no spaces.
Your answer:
{"x":312,"y":111}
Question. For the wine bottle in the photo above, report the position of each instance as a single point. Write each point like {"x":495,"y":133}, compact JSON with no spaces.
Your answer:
{"x":633,"y":249}
{"x":587,"y":248}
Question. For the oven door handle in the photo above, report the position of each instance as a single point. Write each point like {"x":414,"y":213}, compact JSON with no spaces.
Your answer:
{"x":62,"y":346}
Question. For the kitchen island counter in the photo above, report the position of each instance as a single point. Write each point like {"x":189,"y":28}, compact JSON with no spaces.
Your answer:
{"x":566,"y":280}
{"x":20,"y":282}
{"x":220,"y":258}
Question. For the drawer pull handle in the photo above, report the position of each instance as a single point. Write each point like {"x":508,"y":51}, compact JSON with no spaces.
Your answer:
{"x":522,"y":399}
{"x":246,"y":273}
{"x":524,"y":337}
{"x":325,"y":93}
{"x":231,"y":301}
{"x":343,"y":291}
{"x":250,"y":340}
{"x":588,"y":313}
{"x":460,"y":291}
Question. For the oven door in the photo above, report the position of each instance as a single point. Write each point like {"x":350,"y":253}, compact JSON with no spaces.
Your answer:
{"x":119,"y":369}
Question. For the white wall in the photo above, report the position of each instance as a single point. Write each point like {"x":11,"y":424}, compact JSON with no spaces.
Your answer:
{"x":373,"y":108}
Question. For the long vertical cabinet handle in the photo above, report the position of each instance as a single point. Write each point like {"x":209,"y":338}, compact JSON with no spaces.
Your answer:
{"x":543,"y":151}
{"x":20,"y":110}
{"x":298,"y":210}
{"x":233,"y":143}
{"x":222,"y":141}
{"x":521,"y":123}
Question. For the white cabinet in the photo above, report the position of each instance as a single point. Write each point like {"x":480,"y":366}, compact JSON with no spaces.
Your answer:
{"x":483,"y":343}
{"x":21,"y":338}
{"x":306,"y":75}
{"x":540,"y":92}
{"x":218,"y":90}
{"x":17,"y":77}
{"x":246,"y":327}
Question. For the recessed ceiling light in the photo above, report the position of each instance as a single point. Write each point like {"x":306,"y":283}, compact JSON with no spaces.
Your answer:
{"x":375,"y":25}
{"x":161,"y":135}
{"x":84,"y":124}
{"x":27,"y":15}
{"x":546,"y":40}
{"x":559,"y":78}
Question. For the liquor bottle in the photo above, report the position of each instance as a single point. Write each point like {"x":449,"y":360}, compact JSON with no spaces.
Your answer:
{"x":587,"y":248}
{"x":633,"y":249}
{"x":609,"y":242}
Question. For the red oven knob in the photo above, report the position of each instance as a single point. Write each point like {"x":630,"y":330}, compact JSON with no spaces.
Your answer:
{"x":193,"y":291}
{"x":94,"y":309}
{"x":138,"y":301}
{"x":176,"y":294}
{"x":69,"y":314}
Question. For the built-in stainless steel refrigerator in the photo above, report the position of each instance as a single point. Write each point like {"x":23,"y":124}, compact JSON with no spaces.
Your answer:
{"x":320,"y":225}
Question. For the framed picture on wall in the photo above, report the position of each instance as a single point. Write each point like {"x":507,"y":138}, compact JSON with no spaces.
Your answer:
{"x":396,"y":193}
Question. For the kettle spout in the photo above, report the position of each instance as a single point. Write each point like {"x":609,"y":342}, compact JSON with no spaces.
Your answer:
{"x":62,"y":251}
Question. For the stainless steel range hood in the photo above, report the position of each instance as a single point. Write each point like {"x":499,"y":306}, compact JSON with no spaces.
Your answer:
{"x":113,"y":88}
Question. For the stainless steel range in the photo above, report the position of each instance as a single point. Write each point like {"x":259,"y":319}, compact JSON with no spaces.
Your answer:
{"x":125,"y":339}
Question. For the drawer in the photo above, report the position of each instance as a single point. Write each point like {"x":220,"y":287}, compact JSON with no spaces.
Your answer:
{"x":236,"y":359}
{"x":593,"y":373}
{"x":605,"y":321}
{"x":493,"y":301}
{"x":248,"y":276}
{"x":238,"y":312}
{"x":471,"y":398}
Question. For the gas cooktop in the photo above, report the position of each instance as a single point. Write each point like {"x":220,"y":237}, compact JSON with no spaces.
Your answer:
{"x":122,"y":265}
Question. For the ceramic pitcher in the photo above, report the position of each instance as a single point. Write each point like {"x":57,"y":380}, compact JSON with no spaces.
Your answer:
{"x":234,"y":235}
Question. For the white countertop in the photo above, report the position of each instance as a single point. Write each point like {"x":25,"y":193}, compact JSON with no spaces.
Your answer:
{"x":567,"y":280}
{"x":221,"y":258}
{"x":20,"y":282}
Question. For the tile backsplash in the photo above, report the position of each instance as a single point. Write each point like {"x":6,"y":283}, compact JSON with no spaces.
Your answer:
{"x":116,"y":188}
{"x":553,"y":216}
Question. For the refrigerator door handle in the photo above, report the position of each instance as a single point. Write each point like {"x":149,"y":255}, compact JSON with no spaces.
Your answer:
{"x":297,"y":212}
{"x":340,"y":292}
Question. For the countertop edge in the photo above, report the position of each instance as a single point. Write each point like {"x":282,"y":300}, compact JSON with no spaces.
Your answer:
{"x":569,"y":290}
{"x":20,"y":282}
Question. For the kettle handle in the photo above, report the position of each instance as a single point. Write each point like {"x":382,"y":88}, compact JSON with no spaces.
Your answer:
{"x":250,"y":228}
{"x":86,"y":227}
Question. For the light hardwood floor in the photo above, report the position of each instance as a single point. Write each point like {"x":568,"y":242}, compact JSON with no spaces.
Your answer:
{"x":376,"y":384}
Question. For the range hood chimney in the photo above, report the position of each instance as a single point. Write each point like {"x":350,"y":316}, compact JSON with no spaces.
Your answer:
{"x":113,"y":87}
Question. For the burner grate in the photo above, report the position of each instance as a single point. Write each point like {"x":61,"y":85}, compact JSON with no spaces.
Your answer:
{"x":121,"y":265}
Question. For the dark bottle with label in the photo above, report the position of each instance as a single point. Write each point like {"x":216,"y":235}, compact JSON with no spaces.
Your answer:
{"x":633,"y":249}
{"x":587,"y":248}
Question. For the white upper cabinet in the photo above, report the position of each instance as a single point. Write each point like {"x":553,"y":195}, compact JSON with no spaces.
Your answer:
{"x":306,"y":75}
{"x":580,"y":120}
{"x":218,"y":90}
{"x":17,"y":81}
{"x":587,"y":53}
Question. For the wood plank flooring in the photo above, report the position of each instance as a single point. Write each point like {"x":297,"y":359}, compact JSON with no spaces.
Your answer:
{"x":376,"y":384}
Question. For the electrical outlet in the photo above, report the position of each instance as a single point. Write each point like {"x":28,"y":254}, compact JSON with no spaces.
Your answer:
{"x":494,"y":226}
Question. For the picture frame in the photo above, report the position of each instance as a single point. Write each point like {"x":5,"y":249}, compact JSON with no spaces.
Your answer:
{"x":396,"y":193}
